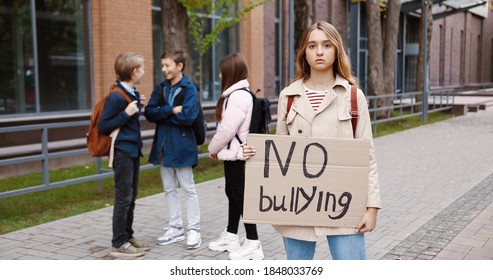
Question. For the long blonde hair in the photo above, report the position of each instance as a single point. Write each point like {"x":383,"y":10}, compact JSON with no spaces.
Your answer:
{"x":342,"y":64}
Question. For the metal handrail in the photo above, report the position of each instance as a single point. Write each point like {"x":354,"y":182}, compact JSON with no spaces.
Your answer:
{"x":403,"y":106}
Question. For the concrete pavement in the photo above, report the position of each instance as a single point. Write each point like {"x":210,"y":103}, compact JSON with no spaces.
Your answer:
{"x":437,"y":194}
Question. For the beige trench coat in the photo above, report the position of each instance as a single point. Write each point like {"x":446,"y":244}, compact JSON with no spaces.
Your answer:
{"x":333,"y":119}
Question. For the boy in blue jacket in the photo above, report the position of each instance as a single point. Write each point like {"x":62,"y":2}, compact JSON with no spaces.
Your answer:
{"x":117,"y":114}
{"x":173,"y":106}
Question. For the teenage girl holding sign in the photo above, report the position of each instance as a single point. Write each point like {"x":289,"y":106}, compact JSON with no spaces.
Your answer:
{"x":321,"y":107}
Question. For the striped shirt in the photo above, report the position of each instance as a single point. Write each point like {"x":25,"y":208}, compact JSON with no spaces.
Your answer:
{"x":315,"y":97}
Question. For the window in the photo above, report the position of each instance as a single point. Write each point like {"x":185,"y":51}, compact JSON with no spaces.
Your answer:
{"x":441,"y":72}
{"x":479,"y":78}
{"x":358,"y":42}
{"x":211,"y":85}
{"x":462,"y":58}
{"x":412,"y":52}
{"x":43,"y":56}
{"x":157,"y":44}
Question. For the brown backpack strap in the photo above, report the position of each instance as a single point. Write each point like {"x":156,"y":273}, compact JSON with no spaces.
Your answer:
{"x":354,"y":109}
{"x":290,"y":102}
{"x":114,"y":88}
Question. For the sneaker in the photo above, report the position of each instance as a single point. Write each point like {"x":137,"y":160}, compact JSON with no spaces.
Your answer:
{"x":172,"y":235}
{"x":126,"y":250}
{"x":226,"y":242}
{"x":251,"y":250}
{"x":139,"y":244}
{"x":193,"y":239}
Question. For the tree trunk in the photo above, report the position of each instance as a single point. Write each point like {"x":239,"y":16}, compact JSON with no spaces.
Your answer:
{"x":175,"y":30}
{"x":375,"y":57}
{"x":390,"y":48}
{"x":420,"y":64}
{"x":301,"y":21}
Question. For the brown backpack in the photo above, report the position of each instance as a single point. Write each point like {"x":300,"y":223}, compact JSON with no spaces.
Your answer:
{"x":99,"y":144}
{"x":354,"y":108}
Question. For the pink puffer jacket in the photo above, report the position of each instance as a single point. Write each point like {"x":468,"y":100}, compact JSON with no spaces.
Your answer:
{"x":236,"y":116}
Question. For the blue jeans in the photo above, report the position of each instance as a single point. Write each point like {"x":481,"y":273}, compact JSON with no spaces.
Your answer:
{"x":126,"y":176}
{"x":342,"y":247}
{"x":184,"y":175}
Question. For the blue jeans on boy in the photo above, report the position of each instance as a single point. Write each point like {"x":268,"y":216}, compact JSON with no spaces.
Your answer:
{"x":342,"y":247}
{"x":126,"y":176}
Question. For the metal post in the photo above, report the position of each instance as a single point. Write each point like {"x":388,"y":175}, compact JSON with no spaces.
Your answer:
{"x":35,"y":55}
{"x":425,"y":64}
{"x":44,"y":150}
{"x":99,"y":170}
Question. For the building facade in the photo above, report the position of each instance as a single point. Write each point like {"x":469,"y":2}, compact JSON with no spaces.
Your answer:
{"x":57,"y":56}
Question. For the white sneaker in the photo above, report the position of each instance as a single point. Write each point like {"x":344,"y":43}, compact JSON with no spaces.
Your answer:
{"x":193,"y":239}
{"x":251,"y":250}
{"x":172,"y":235}
{"x":226,"y":242}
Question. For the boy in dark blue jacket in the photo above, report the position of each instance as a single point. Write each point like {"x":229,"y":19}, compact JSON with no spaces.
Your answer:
{"x":121,"y":120}
{"x":173,"y":106}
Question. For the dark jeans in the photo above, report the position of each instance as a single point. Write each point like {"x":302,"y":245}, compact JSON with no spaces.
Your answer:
{"x":126,"y":175}
{"x":234,"y":174}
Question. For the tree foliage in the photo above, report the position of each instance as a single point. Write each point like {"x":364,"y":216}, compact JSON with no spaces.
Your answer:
{"x":228,"y":13}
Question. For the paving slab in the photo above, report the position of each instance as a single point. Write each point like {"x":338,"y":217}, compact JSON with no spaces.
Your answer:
{"x":436,"y":183}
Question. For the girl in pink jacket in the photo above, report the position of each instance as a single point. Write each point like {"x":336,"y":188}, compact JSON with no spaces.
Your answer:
{"x":233,"y":113}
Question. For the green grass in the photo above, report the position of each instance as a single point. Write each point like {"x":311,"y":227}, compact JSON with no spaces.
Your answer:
{"x":407,"y":123}
{"x":32,"y":209}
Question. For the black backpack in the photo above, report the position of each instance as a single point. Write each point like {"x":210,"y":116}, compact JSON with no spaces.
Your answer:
{"x":199,"y":125}
{"x":261,"y":116}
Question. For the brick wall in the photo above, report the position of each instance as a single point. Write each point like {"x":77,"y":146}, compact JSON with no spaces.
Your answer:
{"x":270,"y":51}
{"x":252,"y":41}
{"x":467,"y":49}
{"x":453,"y":29}
{"x":119,"y":26}
{"x":487,"y":47}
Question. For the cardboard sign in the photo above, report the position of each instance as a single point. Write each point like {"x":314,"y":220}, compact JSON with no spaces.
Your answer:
{"x":306,"y":181}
